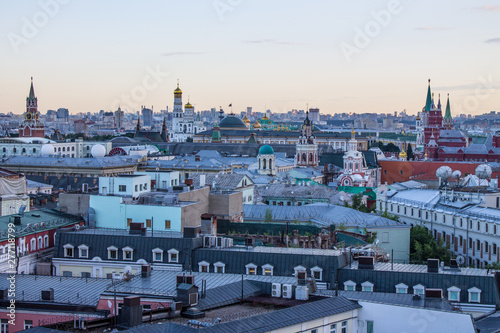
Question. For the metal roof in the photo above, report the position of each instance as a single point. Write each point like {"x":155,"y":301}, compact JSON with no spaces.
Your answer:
{"x":67,"y":290}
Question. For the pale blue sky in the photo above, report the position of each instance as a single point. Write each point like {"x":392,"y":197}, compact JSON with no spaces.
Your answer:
{"x":275,"y":54}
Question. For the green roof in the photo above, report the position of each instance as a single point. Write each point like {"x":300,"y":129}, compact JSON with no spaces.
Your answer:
{"x":447,"y":115}
{"x":428,"y":102}
{"x":266,"y":150}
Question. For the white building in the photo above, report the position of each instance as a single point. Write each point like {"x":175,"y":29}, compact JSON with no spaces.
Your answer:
{"x":125,"y":185}
{"x":458,"y":218}
{"x":32,"y":146}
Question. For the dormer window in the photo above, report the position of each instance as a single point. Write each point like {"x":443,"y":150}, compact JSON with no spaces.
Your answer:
{"x":317,"y":273}
{"x":68,"y":250}
{"x":367,"y":286}
{"x":474,"y":295}
{"x":350,"y":286}
{"x":251,"y":269}
{"x":454,"y":294}
{"x":267,"y":269}
{"x":401,"y":288}
{"x":112,"y":253}
{"x":203,"y":267}
{"x":158,"y":254}
{"x":173,"y":255}
{"x":419,"y":290}
{"x":128,"y":253}
{"x":219,"y":267}
{"x":83,"y":251}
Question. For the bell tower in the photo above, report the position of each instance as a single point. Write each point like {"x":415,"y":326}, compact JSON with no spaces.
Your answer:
{"x":31,"y":126}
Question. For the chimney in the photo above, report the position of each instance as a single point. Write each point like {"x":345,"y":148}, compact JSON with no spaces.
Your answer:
{"x":146,"y":271}
{"x":188,"y":182}
{"x":48,"y":295}
{"x":432,"y":265}
{"x":366,"y":262}
{"x":131,"y":312}
{"x":17,"y":220}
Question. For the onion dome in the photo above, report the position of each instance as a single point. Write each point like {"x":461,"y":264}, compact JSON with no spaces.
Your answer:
{"x":403,"y":154}
{"x":246,"y":120}
{"x":256,"y":124}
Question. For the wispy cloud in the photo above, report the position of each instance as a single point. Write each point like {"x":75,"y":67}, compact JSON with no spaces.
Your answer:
{"x":492,"y":40}
{"x":270,"y":41}
{"x":435,"y":28}
{"x":488,"y":8}
{"x":176,"y":53}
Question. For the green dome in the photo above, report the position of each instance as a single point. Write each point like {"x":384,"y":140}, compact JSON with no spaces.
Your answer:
{"x":266,"y":150}
{"x":231,"y":122}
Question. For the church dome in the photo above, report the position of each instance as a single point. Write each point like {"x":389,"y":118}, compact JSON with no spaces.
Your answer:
{"x":256,"y":124}
{"x":246,"y":120}
{"x":403,"y":154}
{"x":232,"y":122}
{"x":266,"y":150}
{"x":188,"y":106}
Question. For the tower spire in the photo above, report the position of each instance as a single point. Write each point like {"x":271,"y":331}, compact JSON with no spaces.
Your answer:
{"x":439,"y":102}
{"x":428,"y":102}
{"x":32,"y":90}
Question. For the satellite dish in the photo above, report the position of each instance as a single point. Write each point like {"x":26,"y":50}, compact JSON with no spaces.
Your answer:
{"x":483,"y":171}
{"x":456,"y":174}
{"x":444,"y":172}
{"x":460,"y":260}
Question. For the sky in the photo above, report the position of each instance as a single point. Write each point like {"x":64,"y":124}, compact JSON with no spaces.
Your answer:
{"x":340,"y":56}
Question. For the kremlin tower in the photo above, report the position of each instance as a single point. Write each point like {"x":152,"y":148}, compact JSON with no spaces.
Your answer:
{"x":31,"y":126}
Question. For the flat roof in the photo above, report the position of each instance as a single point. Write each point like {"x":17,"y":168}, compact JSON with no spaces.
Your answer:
{"x":282,"y":250}
{"x":411,"y":268}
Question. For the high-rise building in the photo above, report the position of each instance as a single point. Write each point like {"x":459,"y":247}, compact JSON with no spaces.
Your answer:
{"x":120,"y":118}
{"x":314,"y":114}
{"x":147,"y":116}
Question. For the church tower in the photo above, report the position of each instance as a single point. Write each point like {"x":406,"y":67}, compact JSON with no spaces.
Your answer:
{"x":177,"y":112}
{"x":31,"y":126}
{"x":433,"y":116}
{"x":307,"y":148}
{"x":448,"y":120}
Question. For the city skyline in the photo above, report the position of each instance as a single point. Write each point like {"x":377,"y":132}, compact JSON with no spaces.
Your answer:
{"x":340,"y":57}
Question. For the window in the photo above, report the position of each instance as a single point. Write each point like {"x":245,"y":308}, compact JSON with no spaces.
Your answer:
{"x":251,"y":269}
{"x":146,"y":307}
{"x":315,"y":330}
{"x":267,"y":269}
{"x":350,"y":286}
{"x":470,"y":243}
{"x":474,"y":295}
{"x":203,"y":267}
{"x":157,"y":254}
{"x":367,"y":286}
{"x":122,"y":188}
{"x":219,"y":267}
{"x":401,"y":288}
{"x":486,"y":247}
{"x":344,"y":327}
{"x":83,"y":251}
{"x":454,"y":294}
{"x":494,"y":248}
{"x":128,"y":222}
{"x":67,"y":273}
{"x":369,"y":326}
{"x":33,"y":244}
{"x":478,"y":245}
{"x":46,"y":241}
{"x":68,"y":250}
{"x":85,"y":274}
{"x":173,"y":255}
{"x":333,"y":328}
{"x":112,"y":253}
{"x":461,"y":240}
{"x":167,"y":224}
{"x":136,"y":188}
{"x":28,"y":324}
{"x":128,"y":253}
{"x":4,"y":324}
{"x":317,"y":273}
{"x":148,"y":223}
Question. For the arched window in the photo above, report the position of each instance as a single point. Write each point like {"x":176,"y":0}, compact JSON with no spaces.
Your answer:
{"x":304,"y":157}
{"x":310,"y":157}
{"x":264,"y":164}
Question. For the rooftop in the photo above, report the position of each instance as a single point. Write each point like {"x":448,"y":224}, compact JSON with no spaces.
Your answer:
{"x":281,"y":250}
{"x":67,"y":290}
{"x":383,"y":266}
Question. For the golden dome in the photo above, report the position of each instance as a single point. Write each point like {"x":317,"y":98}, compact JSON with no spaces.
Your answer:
{"x":265,"y":118}
{"x":418,"y":118}
{"x":353,"y":132}
{"x":188,"y":105}
{"x":178,"y":90}
{"x":256,"y":125}
{"x":402,"y":154}
{"x":246,"y":120}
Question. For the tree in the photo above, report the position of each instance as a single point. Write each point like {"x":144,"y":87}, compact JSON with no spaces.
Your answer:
{"x":409,"y":153}
{"x":268,"y":217}
{"x":423,"y":246}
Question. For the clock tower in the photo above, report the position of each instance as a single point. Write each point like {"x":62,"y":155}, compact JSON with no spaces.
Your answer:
{"x":31,"y":126}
